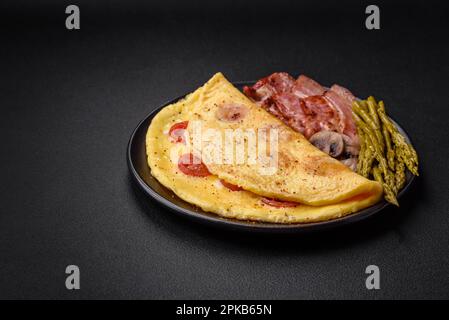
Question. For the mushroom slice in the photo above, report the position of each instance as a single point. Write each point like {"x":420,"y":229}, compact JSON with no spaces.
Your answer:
{"x":231,"y":112}
{"x":351,"y":163}
{"x":352,"y":146}
{"x":328,"y":141}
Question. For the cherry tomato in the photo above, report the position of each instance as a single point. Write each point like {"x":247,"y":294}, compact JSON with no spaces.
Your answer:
{"x":279,"y":203}
{"x":230,"y":186}
{"x":177,"y":130}
{"x":192,"y":166}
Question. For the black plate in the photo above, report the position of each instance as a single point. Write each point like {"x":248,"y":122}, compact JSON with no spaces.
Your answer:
{"x":140,"y":171}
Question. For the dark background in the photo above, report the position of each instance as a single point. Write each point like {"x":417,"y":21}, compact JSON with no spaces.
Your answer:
{"x":70,"y":99}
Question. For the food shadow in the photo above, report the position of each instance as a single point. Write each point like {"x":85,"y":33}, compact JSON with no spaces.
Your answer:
{"x":335,"y":238}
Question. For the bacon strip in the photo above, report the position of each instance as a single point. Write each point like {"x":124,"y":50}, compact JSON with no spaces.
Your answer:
{"x":344,"y":108}
{"x":304,"y":104}
{"x":265,"y":88}
{"x":305,"y":87}
{"x":344,"y":93}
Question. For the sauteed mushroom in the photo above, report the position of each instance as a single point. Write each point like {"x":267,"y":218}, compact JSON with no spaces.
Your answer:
{"x":351,"y":163}
{"x":328,"y":141}
{"x":231,"y":112}
{"x":352,"y":146}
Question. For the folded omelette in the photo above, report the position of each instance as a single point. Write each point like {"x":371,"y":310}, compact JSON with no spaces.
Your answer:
{"x":303,"y":185}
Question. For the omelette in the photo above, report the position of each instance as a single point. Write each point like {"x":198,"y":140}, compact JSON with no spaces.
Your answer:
{"x":293,"y":182}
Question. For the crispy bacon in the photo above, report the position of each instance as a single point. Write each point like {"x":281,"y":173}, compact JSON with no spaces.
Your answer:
{"x":271,"y":106}
{"x":260,"y":92}
{"x":293,"y":111}
{"x":305,"y":105}
{"x":305,"y":87}
{"x":343,"y":92}
{"x":265,"y":88}
{"x":345,"y":111}
{"x":324,"y":114}
{"x":281,"y":81}
{"x":289,"y":105}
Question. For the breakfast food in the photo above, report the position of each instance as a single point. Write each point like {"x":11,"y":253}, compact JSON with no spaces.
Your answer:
{"x":304,"y":104}
{"x":337,"y":123}
{"x":285,"y":150}
{"x":322,"y":115}
{"x":304,"y":185}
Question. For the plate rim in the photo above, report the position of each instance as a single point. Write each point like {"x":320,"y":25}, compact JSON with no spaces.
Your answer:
{"x":247,"y":225}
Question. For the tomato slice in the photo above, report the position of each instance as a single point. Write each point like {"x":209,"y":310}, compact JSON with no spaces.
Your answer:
{"x":230,"y":186}
{"x":279,"y":203}
{"x":176,"y":131}
{"x":192,"y":166}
